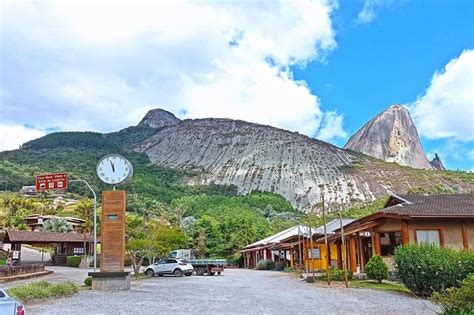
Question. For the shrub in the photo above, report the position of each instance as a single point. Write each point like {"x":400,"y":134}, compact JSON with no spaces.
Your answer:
{"x":335,"y":275}
{"x":266,"y":265}
{"x":376,"y":269}
{"x":42,"y":290}
{"x":425,"y":268}
{"x":73,"y":261}
{"x":457,"y":300}
{"x":88,"y":281}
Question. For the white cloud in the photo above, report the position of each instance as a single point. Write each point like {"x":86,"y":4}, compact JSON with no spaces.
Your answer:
{"x":11,"y":136}
{"x":331,"y":127}
{"x":368,"y":12}
{"x":100,"y":65}
{"x":446,"y":110}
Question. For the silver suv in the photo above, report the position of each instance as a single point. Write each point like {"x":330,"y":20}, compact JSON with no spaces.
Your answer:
{"x":177,"y":267}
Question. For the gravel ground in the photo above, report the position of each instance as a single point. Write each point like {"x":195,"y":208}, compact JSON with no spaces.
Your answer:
{"x":236,"y":291}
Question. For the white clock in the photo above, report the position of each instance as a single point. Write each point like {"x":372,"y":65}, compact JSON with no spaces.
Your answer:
{"x":114,"y":169}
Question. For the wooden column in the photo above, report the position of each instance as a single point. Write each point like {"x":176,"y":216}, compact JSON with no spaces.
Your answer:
{"x":291,"y":259}
{"x":339,"y":255}
{"x":404,"y":228}
{"x":465,"y":239}
{"x":377,"y":246}
{"x":353,"y":254}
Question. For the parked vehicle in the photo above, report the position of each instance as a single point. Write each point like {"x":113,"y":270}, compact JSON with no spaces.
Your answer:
{"x":9,"y":305}
{"x":177,"y":267}
{"x":201,"y":266}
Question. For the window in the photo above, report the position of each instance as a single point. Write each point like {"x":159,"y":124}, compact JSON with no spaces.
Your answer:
{"x":428,"y":236}
{"x":314,"y":253}
{"x":78,"y":250}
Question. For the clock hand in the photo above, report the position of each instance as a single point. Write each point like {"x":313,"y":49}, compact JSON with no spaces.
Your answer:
{"x":113,"y":168}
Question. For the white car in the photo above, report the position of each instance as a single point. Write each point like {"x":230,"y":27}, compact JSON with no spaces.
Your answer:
{"x":177,"y":267}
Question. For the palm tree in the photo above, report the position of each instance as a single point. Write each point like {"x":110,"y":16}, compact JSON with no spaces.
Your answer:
{"x":57,"y":225}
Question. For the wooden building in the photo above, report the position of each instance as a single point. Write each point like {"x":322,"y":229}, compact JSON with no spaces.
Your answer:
{"x":291,"y":244}
{"x":67,"y":244}
{"x":442,"y":220}
{"x":35,"y":222}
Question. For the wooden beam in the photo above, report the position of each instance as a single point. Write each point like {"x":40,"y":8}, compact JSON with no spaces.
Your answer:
{"x":405,"y":236}
{"x":353,"y":254}
{"x":465,"y":239}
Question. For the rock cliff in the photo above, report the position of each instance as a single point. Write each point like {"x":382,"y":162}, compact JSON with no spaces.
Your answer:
{"x":158,"y":118}
{"x":391,"y":136}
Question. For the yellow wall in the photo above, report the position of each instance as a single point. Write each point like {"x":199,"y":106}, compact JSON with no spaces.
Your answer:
{"x":321,"y":263}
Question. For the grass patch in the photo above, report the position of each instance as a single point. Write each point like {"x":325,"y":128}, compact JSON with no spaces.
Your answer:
{"x":40,"y":290}
{"x":388,"y":286}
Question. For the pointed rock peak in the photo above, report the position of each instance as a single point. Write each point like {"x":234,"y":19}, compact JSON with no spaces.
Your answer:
{"x":158,"y":118}
{"x":437,"y":163}
{"x":391,"y":136}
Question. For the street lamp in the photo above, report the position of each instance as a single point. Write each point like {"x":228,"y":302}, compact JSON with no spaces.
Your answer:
{"x":95,"y":219}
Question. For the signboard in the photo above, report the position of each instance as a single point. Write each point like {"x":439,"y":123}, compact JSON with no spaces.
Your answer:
{"x":51,"y":181}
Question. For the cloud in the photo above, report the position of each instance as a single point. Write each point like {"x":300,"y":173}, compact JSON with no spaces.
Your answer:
{"x":331,"y":128}
{"x":368,"y":12}
{"x":100,"y":65}
{"x":14,"y":135}
{"x":446,"y":109}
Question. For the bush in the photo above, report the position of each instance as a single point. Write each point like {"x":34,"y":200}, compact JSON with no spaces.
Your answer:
{"x":266,"y":265}
{"x":42,"y":290}
{"x":425,"y":268}
{"x":88,"y":281}
{"x":335,"y":275}
{"x":376,"y":269}
{"x":457,"y":300}
{"x":73,"y":261}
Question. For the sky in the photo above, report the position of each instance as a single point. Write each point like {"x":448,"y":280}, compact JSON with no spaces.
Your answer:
{"x":321,"y":68}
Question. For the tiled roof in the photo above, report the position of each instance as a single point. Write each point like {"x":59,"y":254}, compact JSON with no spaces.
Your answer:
{"x":433,"y":205}
{"x":44,"y":237}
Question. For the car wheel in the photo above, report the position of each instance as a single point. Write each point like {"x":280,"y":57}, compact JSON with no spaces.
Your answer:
{"x":160,"y":275}
{"x":150,"y":272}
{"x":199,"y":272}
{"x":178,"y":273}
{"x":188,"y":274}
{"x":219,"y":273}
{"x":211,"y":273}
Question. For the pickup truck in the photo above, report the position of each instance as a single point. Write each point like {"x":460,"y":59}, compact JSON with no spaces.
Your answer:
{"x":9,"y":306}
{"x":201,"y":266}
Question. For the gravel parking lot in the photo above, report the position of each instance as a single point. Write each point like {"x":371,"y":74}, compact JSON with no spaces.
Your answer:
{"x":236,"y":291}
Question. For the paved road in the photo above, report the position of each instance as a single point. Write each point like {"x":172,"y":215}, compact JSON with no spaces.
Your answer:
{"x":236,"y":291}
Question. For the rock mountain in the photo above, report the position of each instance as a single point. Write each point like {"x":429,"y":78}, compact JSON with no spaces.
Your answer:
{"x":391,"y":136}
{"x":253,"y":156}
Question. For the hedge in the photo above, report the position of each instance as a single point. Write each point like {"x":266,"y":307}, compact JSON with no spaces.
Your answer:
{"x":457,"y":300}
{"x":425,"y":268}
{"x":73,"y":261}
{"x":42,"y":290}
{"x":266,"y":265}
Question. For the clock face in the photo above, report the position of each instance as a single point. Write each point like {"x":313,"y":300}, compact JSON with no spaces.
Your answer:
{"x":114,"y":169}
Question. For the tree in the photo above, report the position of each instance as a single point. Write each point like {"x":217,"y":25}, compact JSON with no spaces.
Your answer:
{"x":376,"y":269}
{"x":57,"y":225}
{"x":85,"y":210}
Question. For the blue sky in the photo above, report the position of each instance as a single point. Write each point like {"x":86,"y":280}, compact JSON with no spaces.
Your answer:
{"x":322,"y":68}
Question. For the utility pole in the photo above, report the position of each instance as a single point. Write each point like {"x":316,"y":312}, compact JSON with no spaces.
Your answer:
{"x":344,"y":254}
{"x":326,"y":242}
{"x":95,"y":219}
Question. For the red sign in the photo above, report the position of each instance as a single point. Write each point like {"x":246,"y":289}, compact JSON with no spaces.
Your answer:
{"x":51,"y":181}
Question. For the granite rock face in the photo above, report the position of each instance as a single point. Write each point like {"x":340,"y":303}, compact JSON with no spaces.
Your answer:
{"x":159,"y":118}
{"x":391,"y":136}
{"x":252,"y":156}
{"x":436,"y":163}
